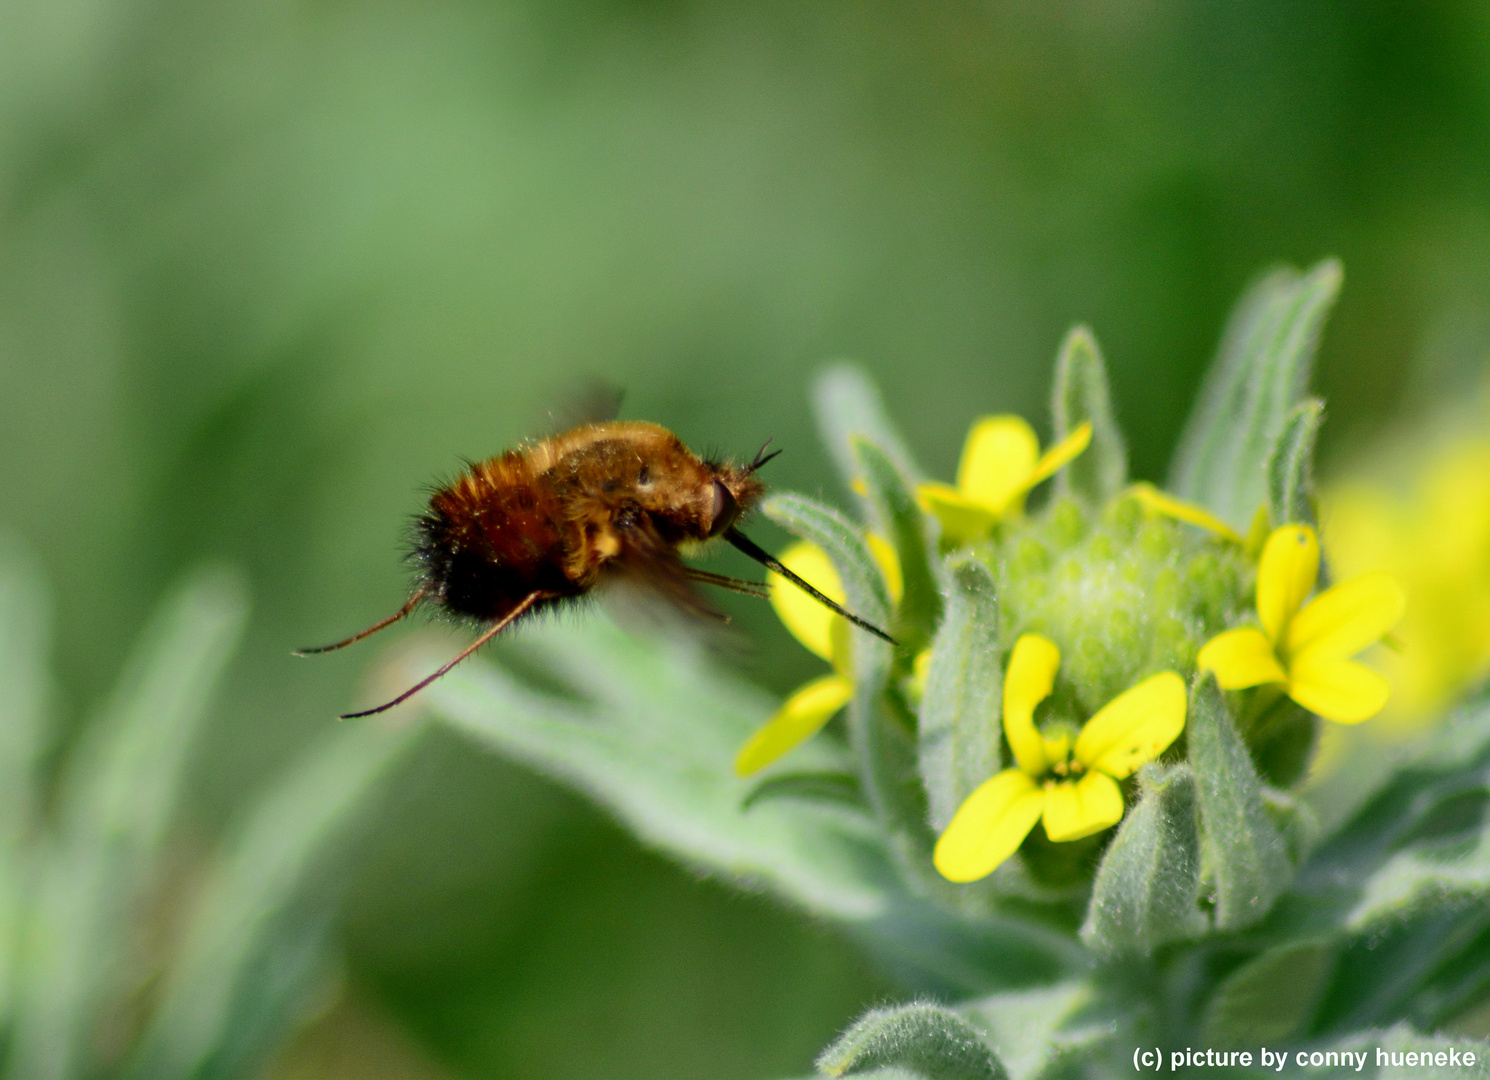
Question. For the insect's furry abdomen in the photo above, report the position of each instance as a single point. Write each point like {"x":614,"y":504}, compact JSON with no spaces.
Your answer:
{"x":490,"y":539}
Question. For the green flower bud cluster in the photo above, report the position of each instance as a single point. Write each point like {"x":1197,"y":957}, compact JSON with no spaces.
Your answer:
{"x":1123,"y":593}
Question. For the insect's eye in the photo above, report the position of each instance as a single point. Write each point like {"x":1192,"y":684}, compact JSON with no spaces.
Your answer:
{"x":725,"y":509}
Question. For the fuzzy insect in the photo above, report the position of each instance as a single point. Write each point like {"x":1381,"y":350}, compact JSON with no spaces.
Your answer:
{"x":554,"y":519}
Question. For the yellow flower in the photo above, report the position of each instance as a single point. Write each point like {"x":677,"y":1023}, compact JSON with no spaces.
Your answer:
{"x":1001,"y":462}
{"x":1433,"y":535}
{"x":824,"y":633}
{"x":1306,"y":647}
{"x":1071,"y":784}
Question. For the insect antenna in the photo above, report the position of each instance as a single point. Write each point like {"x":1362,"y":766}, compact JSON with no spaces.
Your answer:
{"x":413,"y":600}
{"x":486,"y":635}
{"x":761,"y":457}
{"x":770,"y":562}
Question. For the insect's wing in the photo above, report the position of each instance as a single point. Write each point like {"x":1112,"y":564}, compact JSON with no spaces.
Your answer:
{"x":648,"y":561}
{"x":591,"y":402}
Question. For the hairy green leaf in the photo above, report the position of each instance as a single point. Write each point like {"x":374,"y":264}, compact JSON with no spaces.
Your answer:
{"x":927,"y":1040}
{"x":256,"y":941}
{"x":1271,"y":998}
{"x":840,"y":787}
{"x":882,"y":743}
{"x":1426,"y":967}
{"x":1243,"y":853}
{"x":1386,"y":1055}
{"x":1032,"y":1029}
{"x":651,"y":734}
{"x":1082,"y":396}
{"x":848,"y":406}
{"x":1290,"y":466}
{"x":1421,"y":842}
{"x":903,"y":523}
{"x":863,"y":583}
{"x":1148,"y":883}
{"x":962,"y":704}
{"x":115,"y":804}
{"x":1256,"y":381}
{"x":957,"y":954}
{"x":1439,"y":873}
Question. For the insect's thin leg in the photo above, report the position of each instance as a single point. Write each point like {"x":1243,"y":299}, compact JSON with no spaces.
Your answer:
{"x":486,"y":635}
{"x":749,"y":588}
{"x":770,"y":562}
{"x":413,"y":600}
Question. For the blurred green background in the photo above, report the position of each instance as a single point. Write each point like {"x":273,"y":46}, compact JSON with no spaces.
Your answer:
{"x":267,"y":270}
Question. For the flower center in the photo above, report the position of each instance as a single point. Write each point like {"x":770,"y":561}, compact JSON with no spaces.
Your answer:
{"x":1064,"y":770}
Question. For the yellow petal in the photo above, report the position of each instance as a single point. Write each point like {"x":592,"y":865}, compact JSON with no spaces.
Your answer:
{"x":1031,"y":674}
{"x":1160,"y":502}
{"x":1061,"y":454}
{"x":1135,"y":727}
{"x":799,"y":719}
{"x":841,"y":646}
{"x":920,"y":671}
{"x":997,"y":461}
{"x":1241,"y":658}
{"x":1258,"y":532}
{"x":1092,"y":804}
{"x":807,"y":619}
{"x":1285,"y":577}
{"x":1339,"y":690}
{"x":889,"y":564}
{"x":989,"y":826}
{"x":963,"y":520}
{"x":1340,"y":622}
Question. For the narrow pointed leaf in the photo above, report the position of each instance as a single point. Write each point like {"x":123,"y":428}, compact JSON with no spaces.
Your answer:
{"x":1271,"y":998}
{"x":256,"y":943}
{"x":900,"y":520}
{"x":848,"y":406}
{"x":960,"y":709}
{"x":926,"y":1040}
{"x":863,"y":583}
{"x":116,"y":801}
{"x":1082,"y":395}
{"x":1257,"y":379}
{"x":1243,"y":852}
{"x":883,"y":747}
{"x":1291,"y":466}
{"x":1147,"y":886}
{"x":25,"y":638}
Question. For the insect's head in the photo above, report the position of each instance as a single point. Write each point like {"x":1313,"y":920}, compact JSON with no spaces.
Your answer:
{"x":736,"y":490}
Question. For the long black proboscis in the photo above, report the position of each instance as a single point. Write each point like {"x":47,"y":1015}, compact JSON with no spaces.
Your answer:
{"x":770,"y":562}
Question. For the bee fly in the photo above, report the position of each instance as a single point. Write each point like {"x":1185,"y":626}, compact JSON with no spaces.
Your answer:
{"x":550,"y":521}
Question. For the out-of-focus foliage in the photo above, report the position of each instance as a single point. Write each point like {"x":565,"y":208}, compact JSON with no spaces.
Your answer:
{"x":266,"y":270}
{"x":122,"y":954}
